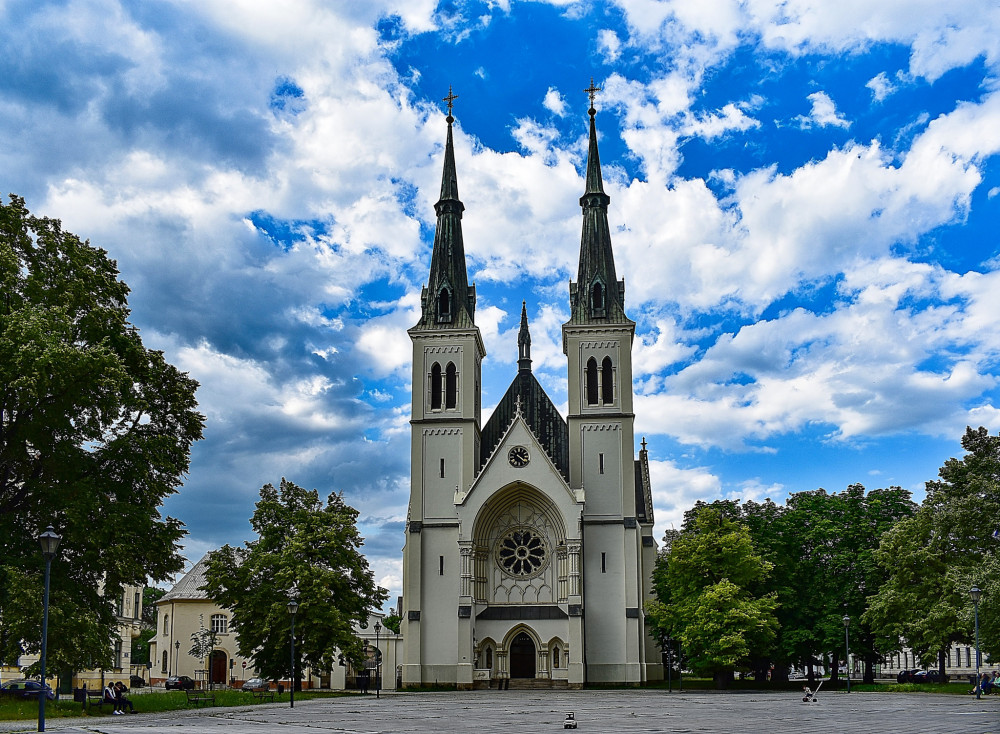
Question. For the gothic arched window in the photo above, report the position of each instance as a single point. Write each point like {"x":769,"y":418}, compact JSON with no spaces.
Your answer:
{"x":607,"y":382}
{"x":597,"y":298}
{"x":163,"y":666}
{"x":451,"y":386}
{"x":444,"y":305}
{"x":436,"y":387}
{"x":489,"y":657}
{"x":555,"y":657}
{"x":166,"y":623}
{"x":591,"y":381}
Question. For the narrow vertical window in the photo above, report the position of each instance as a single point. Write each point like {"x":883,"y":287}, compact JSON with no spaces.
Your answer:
{"x":444,"y":305}
{"x":489,"y":657}
{"x":555,"y":657}
{"x":440,"y":565}
{"x":166,"y":620}
{"x":607,"y":382}
{"x":600,"y":461}
{"x":442,"y":468}
{"x":436,"y":387}
{"x":604,"y":562}
{"x":163,"y":665}
{"x":451,"y":386}
{"x":591,"y":381}
{"x":137,"y":605}
{"x":598,"y":299}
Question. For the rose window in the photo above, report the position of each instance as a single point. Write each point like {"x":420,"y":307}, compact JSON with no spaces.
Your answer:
{"x":521,"y":552}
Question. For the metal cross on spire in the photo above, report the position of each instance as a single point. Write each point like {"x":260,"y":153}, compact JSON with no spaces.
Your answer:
{"x":450,"y":99}
{"x":592,"y":91}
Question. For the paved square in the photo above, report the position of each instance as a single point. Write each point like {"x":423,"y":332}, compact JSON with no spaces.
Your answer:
{"x":517,"y":712}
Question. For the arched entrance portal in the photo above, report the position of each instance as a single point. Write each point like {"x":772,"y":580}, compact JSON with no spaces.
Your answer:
{"x":522,"y":657}
{"x":217,"y":667}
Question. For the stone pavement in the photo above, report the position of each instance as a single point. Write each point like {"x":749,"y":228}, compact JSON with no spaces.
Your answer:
{"x":617,"y":712}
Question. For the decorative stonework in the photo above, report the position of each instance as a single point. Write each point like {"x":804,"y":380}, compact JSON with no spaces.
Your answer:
{"x":522,"y":553}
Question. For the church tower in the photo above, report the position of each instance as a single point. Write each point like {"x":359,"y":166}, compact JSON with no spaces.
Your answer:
{"x":445,"y":437}
{"x":597,"y":341}
{"x":529,"y":543}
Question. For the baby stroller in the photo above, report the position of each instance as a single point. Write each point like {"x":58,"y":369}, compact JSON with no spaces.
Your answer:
{"x":810,"y":695}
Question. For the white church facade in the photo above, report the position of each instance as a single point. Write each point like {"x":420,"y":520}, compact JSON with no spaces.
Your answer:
{"x":529,"y":539}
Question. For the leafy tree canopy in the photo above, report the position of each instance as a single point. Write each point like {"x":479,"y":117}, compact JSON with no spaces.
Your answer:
{"x":710,"y":575}
{"x":306,"y":549}
{"x":95,"y":431}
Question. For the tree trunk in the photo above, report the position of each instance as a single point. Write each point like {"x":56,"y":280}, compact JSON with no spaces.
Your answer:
{"x":722,"y":679}
{"x":811,"y":674}
{"x":834,"y":668}
{"x":869,"y":671}
{"x":941,"y":663}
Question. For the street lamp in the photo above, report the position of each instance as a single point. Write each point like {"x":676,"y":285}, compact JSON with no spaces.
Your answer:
{"x":847,"y":649}
{"x":49,"y":541}
{"x":293,"y":607}
{"x":975,"y":593}
{"x":378,"y":661}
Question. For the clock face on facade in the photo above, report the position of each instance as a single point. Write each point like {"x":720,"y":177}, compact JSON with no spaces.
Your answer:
{"x":518,"y":457}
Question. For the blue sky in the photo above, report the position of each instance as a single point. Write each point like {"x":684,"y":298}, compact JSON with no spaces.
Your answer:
{"x":805,"y":197}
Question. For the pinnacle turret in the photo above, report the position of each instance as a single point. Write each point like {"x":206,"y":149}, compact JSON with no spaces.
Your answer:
{"x":524,"y":342}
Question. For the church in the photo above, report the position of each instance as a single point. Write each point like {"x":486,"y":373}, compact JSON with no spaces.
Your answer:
{"x":529,"y":539}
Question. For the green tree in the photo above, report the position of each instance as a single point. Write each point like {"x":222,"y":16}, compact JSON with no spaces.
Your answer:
{"x":922,"y":602}
{"x":709,"y":576}
{"x":140,"y":644}
{"x":307,"y":549}
{"x":965,"y":509}
{"x":95,"y":431}
{"x":202,"y":644}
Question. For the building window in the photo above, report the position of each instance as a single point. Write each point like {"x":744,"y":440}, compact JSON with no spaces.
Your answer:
{"x":440,"y":565}
{"x":166,"y":623}
{"x":442,"y":468}
{"x":600,"y":462}
{"x":163,"y":665}
{"x":444,"y":305}
{"x":451,"y":386}
{"x":118,"y":654}
{"x":597,"y":298}
{"x":604,"y":562}
{"x":591,"y":381}
{"x":607,"y":382}
{"x":137,"y":605}
{"x":220,"y":624}
{"x":436,"y":387}
{"x":555,"y":657}
{"x":489,"y":657}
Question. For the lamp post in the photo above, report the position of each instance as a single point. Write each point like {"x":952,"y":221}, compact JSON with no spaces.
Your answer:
{"x":293,"y":607}
{"x":847,"y":650}
{"x":378,"y":661}
{"x":49,"y":541}
{"x":975,"y":593}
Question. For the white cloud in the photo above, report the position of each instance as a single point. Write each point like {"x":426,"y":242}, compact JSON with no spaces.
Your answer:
{"x":823,"y":113}
{"x":881,"y":86}
{"x":608,"y":45}
{"x":554,"y":102}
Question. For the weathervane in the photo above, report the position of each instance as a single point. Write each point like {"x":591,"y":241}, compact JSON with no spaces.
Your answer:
{"x":450,"y":99}
{"x":592,"y":91}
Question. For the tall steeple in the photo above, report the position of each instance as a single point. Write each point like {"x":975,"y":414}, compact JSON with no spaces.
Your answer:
{"x":597,"y":296}
{"x":524,"y":342}
{"x":448,"y":301}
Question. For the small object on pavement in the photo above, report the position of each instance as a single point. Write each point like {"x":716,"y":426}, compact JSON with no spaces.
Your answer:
{"x":570,"y":722}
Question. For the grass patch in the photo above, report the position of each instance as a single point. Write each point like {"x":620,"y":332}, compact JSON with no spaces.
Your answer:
{"x":154,"y":701}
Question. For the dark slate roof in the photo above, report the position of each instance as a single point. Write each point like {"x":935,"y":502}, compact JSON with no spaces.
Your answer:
{"x":189,"y":587}
{"x":643,"y":489}
{"x":597,"y":261}
{"x":541,"y":416}
{"x":448,"y":256}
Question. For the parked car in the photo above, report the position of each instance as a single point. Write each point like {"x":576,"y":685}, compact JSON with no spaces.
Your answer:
{"x":136,"y":681}
{"x":26,"y":689}
{"x":179,"y":683}
{"x":255,"y":684}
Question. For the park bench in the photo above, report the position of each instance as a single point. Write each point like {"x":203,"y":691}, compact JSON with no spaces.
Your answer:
{"x":200,"y":697}
{"x":95,"y":698}
{"x":263,"y":694}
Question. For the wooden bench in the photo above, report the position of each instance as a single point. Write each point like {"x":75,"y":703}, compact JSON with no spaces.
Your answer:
{"x":200,"y":697}
{"x":95,"y":698}
{"x":263,"y":694}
